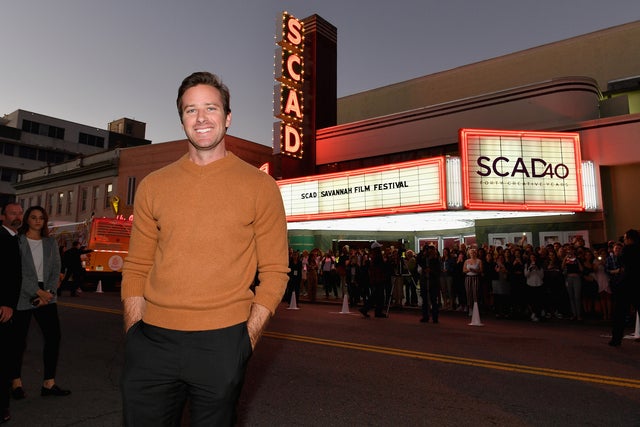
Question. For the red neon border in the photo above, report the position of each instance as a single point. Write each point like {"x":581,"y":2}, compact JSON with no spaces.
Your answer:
{"x":439,"y":205}
{"x":464,"y":155}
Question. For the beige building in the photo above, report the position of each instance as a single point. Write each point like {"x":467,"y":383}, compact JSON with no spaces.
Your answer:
{"x":82,"y":189}
{"x":588,"y":84}
{"x":604,"y":56}
{"x":29,"y":141}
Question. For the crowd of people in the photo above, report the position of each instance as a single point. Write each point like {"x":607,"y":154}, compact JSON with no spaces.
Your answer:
{"x":563,"y":281}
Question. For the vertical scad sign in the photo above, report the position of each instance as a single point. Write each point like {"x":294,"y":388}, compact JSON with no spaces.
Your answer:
{"x":521,"y":170}
{"x":288,"y":92}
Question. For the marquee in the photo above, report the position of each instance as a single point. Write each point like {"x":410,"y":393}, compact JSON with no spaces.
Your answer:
{"x":416,"y":186}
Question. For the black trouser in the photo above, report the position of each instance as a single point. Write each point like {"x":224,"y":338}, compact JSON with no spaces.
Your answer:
{"x":78,"y":279}
{"x":49,"y":323}
{"x":377,"y":298}
{"x":430,"y":295}
{"x":622,"y":300}
{"x":5,"y":363}
{"x":329,"y":283}
{"x":535,"y":297}
{"x":164,"y":367}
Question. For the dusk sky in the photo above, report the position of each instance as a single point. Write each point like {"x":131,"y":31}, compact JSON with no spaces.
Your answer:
{"x":92,"y":62}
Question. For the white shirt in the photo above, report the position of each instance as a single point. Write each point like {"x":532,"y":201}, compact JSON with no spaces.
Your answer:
{"x":37,"y":253}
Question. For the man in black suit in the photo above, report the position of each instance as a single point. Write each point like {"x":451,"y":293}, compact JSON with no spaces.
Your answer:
{"x":627,"y":292}
{"x":9,"y":290}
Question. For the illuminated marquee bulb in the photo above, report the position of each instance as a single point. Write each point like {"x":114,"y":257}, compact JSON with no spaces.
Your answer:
{"x":290,"y":77}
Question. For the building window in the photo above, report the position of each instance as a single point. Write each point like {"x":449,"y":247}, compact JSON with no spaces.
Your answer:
{"x":94,"y":201}
{"x":108,"y":188}
{"x":69,"y":202}
{"x":39,"y":200}
{"x":7,"y":175}
{"x":42,"y":129}
{"x":91,"y":140}
{"x":83,"y":200}
{"x":60,"y":203}
{"x":31,"y":127}
{"x":56,"y":132}
{"x":49,"y":206}
{"x":27,"y":152}
{"x":9,"y":149}
{"x":131,"y":190}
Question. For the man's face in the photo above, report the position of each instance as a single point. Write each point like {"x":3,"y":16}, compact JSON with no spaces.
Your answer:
{"x":203,"y":118}
{"x":12,"y":216}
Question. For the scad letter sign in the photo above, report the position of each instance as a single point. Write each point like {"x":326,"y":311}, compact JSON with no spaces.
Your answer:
{"x":521,"y":170}
{"x":288,"y":94}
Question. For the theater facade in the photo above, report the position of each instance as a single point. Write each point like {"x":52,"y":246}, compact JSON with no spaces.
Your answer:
{"x":537,"y":146}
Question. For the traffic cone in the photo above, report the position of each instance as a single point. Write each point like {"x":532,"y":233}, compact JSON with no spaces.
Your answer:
{"x":292,"y":304}
{"x":636,"y":334}
{"x":475,"y":318}
{"x":99,"y":288}
{"x":345,"y":305}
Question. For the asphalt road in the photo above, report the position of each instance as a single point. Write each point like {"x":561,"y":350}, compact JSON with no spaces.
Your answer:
{"x":317,"y":366}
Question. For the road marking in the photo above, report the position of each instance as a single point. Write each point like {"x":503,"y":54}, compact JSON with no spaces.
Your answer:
{"x":509,"y":367}
{"x":91,"y":307}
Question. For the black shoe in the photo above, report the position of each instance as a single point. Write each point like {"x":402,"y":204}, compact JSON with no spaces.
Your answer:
{"x":54,"y":391}
{"x":435,"y":320}
{"x":6,"y":416}
{"x":615,"y":343}
{"x":18,"y":393}
{"x":364,"y":312}
{"x":424,"y":320}
{"x":381,"y":315}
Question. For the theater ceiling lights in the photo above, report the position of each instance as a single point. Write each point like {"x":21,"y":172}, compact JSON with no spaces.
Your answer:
{"x":432,"y":221}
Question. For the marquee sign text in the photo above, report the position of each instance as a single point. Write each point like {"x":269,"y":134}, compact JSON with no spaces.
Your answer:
{"x":416,"y":186}
{"x":521,"y":170}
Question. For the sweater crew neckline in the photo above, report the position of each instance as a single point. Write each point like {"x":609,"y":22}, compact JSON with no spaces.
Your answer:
{"x":213,"y":167}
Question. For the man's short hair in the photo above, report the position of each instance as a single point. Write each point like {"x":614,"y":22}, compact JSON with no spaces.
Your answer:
{"x":4,"y":207}
{"x":632,"y":234}
{"x":204,"y":78}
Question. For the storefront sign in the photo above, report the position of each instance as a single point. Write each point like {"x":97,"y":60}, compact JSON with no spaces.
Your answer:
{"x":417,"y":186}
{"x":521,"y":170}
{"x":288,"y":95}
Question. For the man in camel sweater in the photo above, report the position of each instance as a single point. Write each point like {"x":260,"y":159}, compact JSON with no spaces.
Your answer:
{"x":203,"y":227}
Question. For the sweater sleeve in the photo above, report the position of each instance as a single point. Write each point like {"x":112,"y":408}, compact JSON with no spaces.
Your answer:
{"x":271,"y":245}
{"x":143,"y":242}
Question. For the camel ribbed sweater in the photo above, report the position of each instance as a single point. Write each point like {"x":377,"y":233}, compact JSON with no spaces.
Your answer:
{"x":199,"y":235}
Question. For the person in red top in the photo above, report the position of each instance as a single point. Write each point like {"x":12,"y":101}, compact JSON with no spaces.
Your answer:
{"x":204,"y":226}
